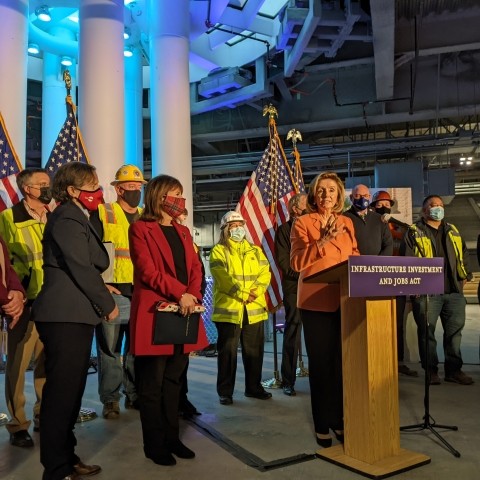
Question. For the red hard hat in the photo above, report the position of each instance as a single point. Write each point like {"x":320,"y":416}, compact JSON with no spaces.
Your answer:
{"x":381,"y":195}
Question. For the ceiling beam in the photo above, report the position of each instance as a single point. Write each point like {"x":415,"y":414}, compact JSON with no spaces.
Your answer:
{"x":383,"y":26}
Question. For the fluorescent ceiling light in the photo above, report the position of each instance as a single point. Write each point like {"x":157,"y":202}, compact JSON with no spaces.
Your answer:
{"x":43,"y":13}
{"x":33,"y":49}
{"x":66,"y":61}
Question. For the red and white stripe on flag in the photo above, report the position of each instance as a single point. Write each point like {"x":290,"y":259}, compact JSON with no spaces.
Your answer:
{"x":264,"y":206}
{"x":9,"y":167}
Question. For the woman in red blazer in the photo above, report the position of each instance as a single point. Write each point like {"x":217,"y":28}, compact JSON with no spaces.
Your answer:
{"x":321,"y":239}
{"x":166,"y":268}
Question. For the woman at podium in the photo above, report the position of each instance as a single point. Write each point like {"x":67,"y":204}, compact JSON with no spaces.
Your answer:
{"x":321,"y":239}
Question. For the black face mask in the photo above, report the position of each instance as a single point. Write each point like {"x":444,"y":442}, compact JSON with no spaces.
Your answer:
{"x":45,"y":195}
{"x":132,"y":197}
{"x":383,"y":210}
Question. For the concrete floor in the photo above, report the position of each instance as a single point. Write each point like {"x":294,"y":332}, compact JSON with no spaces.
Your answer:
{"x":273,"y":439}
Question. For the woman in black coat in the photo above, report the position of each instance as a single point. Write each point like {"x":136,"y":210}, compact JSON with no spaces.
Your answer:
{"x":73,"y":299}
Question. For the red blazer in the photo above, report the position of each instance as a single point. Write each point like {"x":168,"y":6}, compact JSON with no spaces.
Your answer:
{"x":307,"y":258}
{"x":154,"y":279}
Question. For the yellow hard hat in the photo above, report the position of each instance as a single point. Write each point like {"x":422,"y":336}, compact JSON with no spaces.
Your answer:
{"x":128,"y":173}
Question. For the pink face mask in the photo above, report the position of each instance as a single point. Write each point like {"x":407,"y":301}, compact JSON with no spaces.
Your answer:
{"x":173,"y":206}
{"x":91,"y":200}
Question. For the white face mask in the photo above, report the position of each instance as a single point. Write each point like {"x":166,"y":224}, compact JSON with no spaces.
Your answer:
{"x":237,"y":234}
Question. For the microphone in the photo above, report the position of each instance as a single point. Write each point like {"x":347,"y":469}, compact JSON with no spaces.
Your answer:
{"x":387,"y":218}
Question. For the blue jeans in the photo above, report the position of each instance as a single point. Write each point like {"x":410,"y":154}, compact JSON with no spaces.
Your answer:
{"x":111,"y":372}
{"x":450,"y":307}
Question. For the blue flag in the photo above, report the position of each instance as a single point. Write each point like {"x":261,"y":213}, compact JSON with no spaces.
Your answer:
{"x":69,"y":144}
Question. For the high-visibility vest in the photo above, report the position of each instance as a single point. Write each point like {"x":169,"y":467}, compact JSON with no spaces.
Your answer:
{"x":24,"y":243}
{"x":115,"y":230}
{"x":423,"y":246}
{"x":236,"y":271}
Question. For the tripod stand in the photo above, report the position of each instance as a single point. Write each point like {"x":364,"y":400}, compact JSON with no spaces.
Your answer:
{"x":428,"y":422}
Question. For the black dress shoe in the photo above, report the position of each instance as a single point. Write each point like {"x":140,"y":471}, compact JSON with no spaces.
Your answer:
{"x":288,"y":390}
{"x":21,"y":439}
{"x":86,"y":470}
{"x":260,"y":395}
{"x":165,"y":459}
{"x":187,"y":409}
{"x":324,"y":442}
{"x":181,"y":450}
{"x":339,"y":435}
{"x":225,"y":400}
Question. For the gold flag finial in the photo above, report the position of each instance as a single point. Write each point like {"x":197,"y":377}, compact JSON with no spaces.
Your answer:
{"x":295,"y":135}
{"x":68,"y":81}
{"x":270,"y":110}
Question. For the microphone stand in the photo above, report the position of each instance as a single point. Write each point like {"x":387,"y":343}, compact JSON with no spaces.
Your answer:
{"x":428,"y":421}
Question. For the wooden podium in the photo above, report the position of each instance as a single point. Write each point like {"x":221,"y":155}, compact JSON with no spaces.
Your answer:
{"x":370,"y":385}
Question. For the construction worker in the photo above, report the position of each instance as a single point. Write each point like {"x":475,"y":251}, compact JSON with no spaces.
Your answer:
{"x":22,"y":227}
{"x":112,"y":221}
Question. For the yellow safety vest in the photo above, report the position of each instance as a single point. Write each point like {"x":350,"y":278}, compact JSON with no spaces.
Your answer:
{"x":236,"y":272}
{"x":24,"y":243}
{"x":423,"y":246}
{"x":115,"y":230}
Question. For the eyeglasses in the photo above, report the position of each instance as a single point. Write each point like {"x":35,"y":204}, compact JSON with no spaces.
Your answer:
{"x":39,"y":185}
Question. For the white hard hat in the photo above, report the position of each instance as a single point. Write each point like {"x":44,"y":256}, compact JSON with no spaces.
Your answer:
{"x":231,"y":217}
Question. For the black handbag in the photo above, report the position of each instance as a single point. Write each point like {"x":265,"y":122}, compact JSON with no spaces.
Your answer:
{"x":171,"y":328}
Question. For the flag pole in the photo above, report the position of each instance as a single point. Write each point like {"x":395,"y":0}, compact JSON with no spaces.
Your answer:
{"x":275,"y":381}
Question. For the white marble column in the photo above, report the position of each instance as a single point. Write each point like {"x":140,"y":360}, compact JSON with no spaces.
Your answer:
{"x":134,"y":110}
{"x":101,"y":87}
{"x":13,"y":73}
{"x":170,"y":93}
{"x":54,"y":110}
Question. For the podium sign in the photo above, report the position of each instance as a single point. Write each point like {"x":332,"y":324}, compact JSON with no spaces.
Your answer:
{"x":381,"y":276}
{"x":367,"y":287}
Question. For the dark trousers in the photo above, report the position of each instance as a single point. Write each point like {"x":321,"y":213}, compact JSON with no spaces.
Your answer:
{"x":291,"y":339}
{"x":67,"y":357}
{"x":158,"y":381}
{"x":400,"y":310}
{"x":252,"y":338}
{"x":450,"y":307}
{"x":324,"y":351}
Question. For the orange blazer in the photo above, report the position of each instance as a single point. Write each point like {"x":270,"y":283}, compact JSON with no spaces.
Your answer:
{"x":307,"y":258}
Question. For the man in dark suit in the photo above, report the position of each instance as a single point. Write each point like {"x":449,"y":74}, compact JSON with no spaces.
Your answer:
{"x":373,"y":236}
{"x":293,"y":327}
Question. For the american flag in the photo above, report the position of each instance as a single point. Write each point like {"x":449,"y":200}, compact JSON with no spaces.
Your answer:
{"x":69,"y":144}
{"x":264,"y":206}
{"x":10,"y":166}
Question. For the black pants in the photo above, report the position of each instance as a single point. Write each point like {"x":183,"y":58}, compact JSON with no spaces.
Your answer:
{"x":67,"y":357}
{"x":252,"y":338}
{"x":291,"y":339}
{"x":158,"y":380}
{"x":324,"y":351}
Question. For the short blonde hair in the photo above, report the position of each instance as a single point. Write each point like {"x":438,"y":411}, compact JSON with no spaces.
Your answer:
{"x":312,"y":192}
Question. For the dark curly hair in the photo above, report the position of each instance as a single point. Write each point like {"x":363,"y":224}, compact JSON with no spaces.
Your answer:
{"x":74,"y":174}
